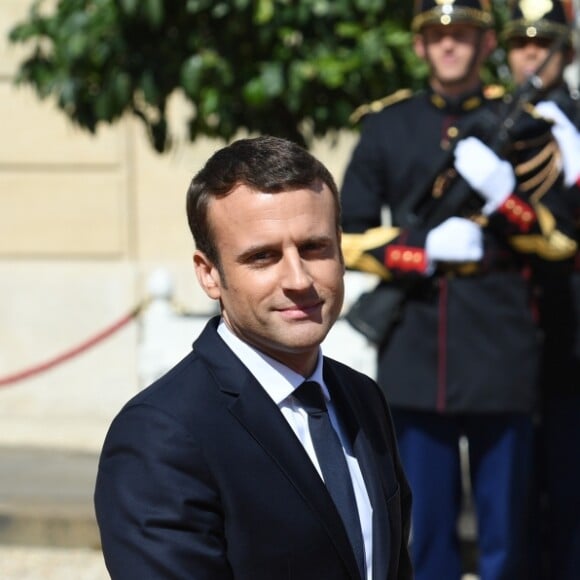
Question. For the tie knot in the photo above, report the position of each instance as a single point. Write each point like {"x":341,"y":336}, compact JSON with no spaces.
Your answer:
{"x":310,"y":396}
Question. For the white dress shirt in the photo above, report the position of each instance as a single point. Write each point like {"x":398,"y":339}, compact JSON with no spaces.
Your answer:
{"x":280,"y":382}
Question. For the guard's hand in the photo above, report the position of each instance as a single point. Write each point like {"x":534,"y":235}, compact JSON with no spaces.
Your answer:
{"x":492,"y":177}
{"x":455,"y":240}
{"x":567,"y":137}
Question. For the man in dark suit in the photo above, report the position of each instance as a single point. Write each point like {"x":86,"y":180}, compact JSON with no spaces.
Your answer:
{"x":218,"y":470}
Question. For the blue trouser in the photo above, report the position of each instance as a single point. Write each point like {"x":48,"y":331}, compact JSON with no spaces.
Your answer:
{"x":557,"y":539}
{"x":500,"y":455}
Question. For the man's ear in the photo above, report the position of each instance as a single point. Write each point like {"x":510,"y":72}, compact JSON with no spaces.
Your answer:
{"x":419,"y":46}
{"x":207,"y":275}
{"x":489,"y":43}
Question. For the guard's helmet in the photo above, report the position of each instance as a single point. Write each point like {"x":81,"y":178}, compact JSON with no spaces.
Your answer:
{"x":476,"y":12}
{"x":544,"y":19}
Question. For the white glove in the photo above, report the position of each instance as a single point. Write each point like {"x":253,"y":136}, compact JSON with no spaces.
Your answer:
{"x":567,"y":137}
{"x":455,"y":240}
{"x":492,"y":177}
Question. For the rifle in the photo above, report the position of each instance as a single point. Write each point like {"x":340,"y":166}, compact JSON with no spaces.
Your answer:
{"x":375,"y":313}
{"x":423,"y":207}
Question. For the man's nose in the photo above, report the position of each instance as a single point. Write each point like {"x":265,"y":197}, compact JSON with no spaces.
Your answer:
{"x":295,"y":274}
{"x":531,"y":49}
{"x":448,"y":39}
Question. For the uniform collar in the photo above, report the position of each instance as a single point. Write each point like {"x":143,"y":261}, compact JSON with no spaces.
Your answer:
{"x":457,"y":105}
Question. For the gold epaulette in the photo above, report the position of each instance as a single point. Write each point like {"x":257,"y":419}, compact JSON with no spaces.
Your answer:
{"x":494,"y":91}
{"x":380,"y":104}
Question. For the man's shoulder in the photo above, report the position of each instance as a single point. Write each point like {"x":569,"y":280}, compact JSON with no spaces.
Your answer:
{"x":169,"y":384}
{"x":391,"y":101}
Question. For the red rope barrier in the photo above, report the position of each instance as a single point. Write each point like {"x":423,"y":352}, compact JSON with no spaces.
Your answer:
{"x":83,"y":346}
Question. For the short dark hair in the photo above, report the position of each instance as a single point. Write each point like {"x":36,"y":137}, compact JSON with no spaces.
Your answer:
{"x":266,"y":164}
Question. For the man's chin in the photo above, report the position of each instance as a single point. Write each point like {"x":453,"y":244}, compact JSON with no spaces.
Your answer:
{"x":305,"y":336}
{"x":451,"y":82}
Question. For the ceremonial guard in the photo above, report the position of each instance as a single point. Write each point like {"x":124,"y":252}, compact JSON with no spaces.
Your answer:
{"x":460,"y":356}
{"x":540,"y":30}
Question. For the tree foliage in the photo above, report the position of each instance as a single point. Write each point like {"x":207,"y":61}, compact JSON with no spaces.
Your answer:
{"x":292,"y":68}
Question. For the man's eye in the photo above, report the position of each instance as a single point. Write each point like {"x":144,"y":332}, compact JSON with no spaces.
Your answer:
{"x":260,"y":257}
{"x":315,"y":248}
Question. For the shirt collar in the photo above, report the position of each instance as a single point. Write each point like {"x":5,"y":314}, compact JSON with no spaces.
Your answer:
{"x":276,"y":379}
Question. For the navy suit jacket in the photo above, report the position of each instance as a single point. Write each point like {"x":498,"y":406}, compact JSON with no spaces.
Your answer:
{"x":201,"y":477}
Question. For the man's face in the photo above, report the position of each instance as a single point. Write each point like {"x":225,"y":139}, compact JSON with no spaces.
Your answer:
{"x":281,"y":282}
{"x":455,"y":53}
{"x":525,"y":55}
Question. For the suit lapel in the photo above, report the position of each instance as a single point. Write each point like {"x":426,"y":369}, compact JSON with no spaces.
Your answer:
{"x":352,"y":413}
{"x":261,"y":417}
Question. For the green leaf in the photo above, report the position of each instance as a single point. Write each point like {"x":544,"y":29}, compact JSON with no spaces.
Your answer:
{"x":103,"y":106}
{"x":191,"y":73}
{"x":154,"y":12}
{"x":254,"y":92}
{"x":209,"y":101}
{"x":76,"y":46}
{"x":264,"y":11}
{"x":273,"y":79}
{"x":122,"y":89}
{"x":149,"y":88}
{"x":129,"y":7}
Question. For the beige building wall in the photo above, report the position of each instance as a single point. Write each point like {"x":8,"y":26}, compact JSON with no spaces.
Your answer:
{"x":83,"y":221}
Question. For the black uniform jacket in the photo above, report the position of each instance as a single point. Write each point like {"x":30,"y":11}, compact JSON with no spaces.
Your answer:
{"x":467,"y":339}
{"x":201,"y":477}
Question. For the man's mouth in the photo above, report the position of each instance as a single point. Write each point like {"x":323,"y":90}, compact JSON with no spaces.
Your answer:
{"x":301,"y":311}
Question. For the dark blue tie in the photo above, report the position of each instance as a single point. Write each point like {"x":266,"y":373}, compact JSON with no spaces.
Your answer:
{"x":333,"y":464}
